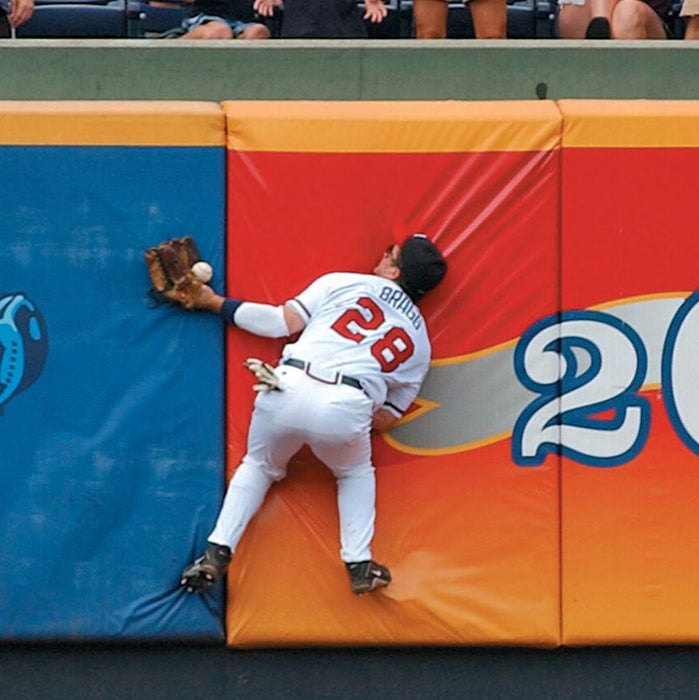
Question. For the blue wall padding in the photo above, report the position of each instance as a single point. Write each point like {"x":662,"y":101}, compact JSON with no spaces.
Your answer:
{"x":112,"y":458}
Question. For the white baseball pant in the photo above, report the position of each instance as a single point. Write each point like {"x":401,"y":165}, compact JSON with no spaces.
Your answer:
{"x":334,"y":420}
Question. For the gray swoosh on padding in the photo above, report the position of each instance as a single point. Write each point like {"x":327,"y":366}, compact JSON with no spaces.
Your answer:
{"x":479,"y":399}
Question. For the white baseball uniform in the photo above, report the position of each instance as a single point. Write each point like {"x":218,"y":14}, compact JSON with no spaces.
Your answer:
{"x":365,"y":347}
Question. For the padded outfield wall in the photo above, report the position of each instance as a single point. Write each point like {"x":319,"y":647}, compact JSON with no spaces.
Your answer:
{"x":541,"y":491}
{"x":109,"y":468}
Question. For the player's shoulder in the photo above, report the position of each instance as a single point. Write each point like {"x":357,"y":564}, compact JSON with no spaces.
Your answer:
{"x":378,"y":288}
{"x":343,"y":280}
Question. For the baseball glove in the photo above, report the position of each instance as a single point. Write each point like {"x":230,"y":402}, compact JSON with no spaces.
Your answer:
{"x":170,"y":267}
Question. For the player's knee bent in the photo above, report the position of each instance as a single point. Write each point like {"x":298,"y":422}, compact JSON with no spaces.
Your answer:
{"x":355,"y":471}
{"x":252,"y":470}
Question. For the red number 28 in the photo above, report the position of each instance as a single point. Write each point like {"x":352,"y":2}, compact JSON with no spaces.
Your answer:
{"x":393,"y":348}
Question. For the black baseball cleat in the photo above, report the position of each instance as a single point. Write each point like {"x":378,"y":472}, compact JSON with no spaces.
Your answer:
{"x":367,"y":576}
{"x":208,"y":569}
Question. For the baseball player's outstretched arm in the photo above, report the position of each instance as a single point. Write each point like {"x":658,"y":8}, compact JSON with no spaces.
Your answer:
{"x":261,"y":319}
{"x":208,"y":300}
{"x":293,"y":321}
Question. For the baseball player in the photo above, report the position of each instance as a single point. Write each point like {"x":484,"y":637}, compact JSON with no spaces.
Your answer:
{"x":358,"y":364}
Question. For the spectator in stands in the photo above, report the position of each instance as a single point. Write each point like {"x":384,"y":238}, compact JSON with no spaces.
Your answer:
{"x":489,"y":18}
{"x":690,"y":9}
{"x":14,"y":13}
{"x":613,"y":19}
{"x":221,"y":19}
{"x":323,"y":19}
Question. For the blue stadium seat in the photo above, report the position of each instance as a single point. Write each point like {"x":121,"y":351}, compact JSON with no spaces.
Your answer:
{"x":76,"y":21}
{"x":73,"y":2}
{"x":158,"y":19}
{"x":674,"y":22}
{"x":546,"y":13}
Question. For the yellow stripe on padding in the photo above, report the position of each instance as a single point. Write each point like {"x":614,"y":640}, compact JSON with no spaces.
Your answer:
{"x":110,"y":123}
{"x":630,"y":123}
{"x":392,"y":127}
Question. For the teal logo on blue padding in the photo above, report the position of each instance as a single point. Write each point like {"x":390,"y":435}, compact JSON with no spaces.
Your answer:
{"x":23,"y":345}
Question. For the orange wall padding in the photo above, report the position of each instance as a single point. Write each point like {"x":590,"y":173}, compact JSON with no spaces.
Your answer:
{"x":630,"y":532}
{"x":111,"y":123}
{"x":542,"y":490}
{"x":472,"y":539}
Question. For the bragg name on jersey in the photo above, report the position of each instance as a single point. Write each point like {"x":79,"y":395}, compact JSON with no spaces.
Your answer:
{"x":401,"y":302}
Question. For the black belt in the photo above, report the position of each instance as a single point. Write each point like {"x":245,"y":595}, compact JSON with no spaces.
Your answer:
{"x":341,"y":378}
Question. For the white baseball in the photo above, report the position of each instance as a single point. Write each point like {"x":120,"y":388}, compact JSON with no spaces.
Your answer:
{"x":202,"y":271}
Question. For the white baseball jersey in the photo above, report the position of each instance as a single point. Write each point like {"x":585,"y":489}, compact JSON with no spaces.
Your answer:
{"x":360,"y":326}
{"x":366,"y":327}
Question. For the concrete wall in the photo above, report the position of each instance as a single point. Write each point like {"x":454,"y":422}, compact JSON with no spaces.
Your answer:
{"x":346,"y":70}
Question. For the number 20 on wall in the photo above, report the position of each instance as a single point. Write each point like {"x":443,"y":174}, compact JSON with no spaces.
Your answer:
{"x":587,"y":368}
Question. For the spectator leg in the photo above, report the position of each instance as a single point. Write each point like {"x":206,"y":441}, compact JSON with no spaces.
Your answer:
{"x":489,"y":18}
{"x":255,"y":31}
{"x":573,"y":21}
{"x":430,"y":19}
{"x":210,"y":30}
{"x":692,"y":30}
{"x":633,"y":19}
